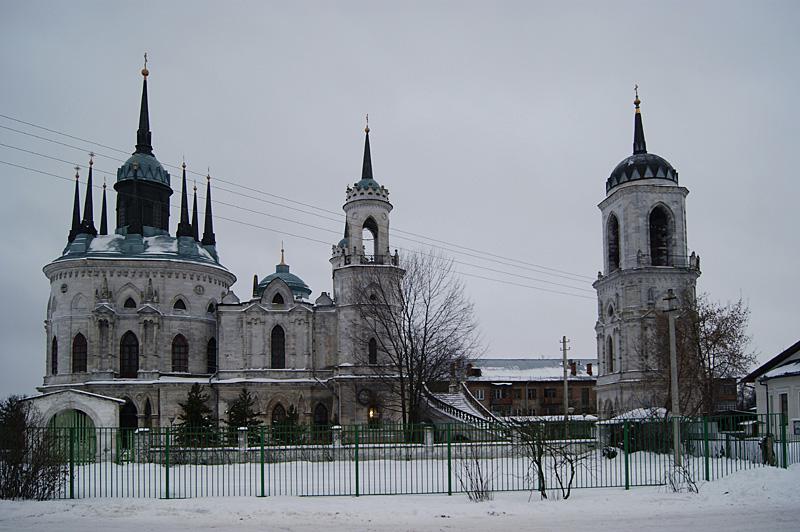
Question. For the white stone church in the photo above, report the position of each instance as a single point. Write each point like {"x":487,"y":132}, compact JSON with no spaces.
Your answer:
{"x":136,"y":315}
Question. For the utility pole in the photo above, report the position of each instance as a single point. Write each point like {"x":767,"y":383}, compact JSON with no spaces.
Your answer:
{"x":673,"y":378}
{"x":564,"y":350}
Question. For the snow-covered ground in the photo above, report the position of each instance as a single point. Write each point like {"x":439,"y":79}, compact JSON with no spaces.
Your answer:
{"x":762,"y":498}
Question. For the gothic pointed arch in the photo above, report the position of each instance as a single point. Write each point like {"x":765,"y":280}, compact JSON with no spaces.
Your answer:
{"x":79,"y":353}
{"x":128,"y":356}
{"x":211,"y":356}
{"x":369,"y":236}
{"x":320,"y":414}
{"x":148,"y":414}
{"x":613,"y":242}
{"x":277,"y":299}
{"x":661,"y":233}
{"x":179,"y":303}
{"x":78,"y":302}
{"x":180,"y":354}
{"x":277,"y":348}
{"x":278,"y":414}
{"x":372,"y":351}
{"x":610,"y":354}
{"x":54,"y":356}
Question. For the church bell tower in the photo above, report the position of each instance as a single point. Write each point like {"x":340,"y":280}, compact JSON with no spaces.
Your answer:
{"x":645,"y":255}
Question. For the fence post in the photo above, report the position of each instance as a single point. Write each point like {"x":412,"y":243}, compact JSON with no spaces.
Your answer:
{"x":262,"y":462}
{"x":72,"y":462}
{"x":625,"y":450}
{"x":449,"y":461}
{"x":706,"y":448}
{"x":166,"y":464}
{"x":784,"y":449}
{"x":356,"y":459}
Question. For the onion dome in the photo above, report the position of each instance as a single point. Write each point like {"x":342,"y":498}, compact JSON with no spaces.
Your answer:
{"x":640,"y":165}
{"x":299,"y":288}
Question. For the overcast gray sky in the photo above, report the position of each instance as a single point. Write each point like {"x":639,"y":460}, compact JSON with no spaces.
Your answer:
{"x":494,"y":125}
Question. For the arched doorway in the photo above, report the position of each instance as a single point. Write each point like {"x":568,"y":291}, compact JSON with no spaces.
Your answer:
{"x":128,"y":423}
{"x":75,"y":426}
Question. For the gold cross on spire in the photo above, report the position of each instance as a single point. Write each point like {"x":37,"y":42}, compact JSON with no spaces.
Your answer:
{"x":282,"y":259}
{"x":77,"y":168}
{"x":145,"y":72}
{"x":366,"y":129}
{"x":91,"y":158}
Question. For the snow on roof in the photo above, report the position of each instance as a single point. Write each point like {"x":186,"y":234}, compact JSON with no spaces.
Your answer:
{"x":82,"y":392}
{"x":638,"y":414}
{"x":529,"y":369}
{"x":786,"y":370}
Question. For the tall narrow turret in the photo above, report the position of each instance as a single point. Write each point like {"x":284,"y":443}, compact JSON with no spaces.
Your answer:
{"x":87,"y":224}
{"x":76,"y":210}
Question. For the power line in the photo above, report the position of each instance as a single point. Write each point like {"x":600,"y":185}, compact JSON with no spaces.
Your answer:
{"x":295,"y":235}
{"x":479,"y":254}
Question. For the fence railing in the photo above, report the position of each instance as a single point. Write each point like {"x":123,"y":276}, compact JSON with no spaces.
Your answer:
{"x":173,"y":462}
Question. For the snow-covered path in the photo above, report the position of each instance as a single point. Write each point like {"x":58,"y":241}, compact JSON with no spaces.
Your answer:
{"x":764,"y":498}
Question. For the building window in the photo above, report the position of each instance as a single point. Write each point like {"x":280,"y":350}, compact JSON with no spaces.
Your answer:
{"x":180,"y":354}
{"x":79,"y":349}
{"x":517,"y":393}
{"x":610,"y":355}
{"x":550,"y":393}
{"x":585,"y":396}
{"x":278,"y":414}
{"x":479,"y":394}
{"x":179,"y":305}
{"x":500,"y":392}
{"x":277,"y":300}
{"x":613,"y":243}
{"x":211,"y":356}
{"x":372,"y":356}
{"x":54,"y":356}
{"x":278,"y":348}
{"x":531,"y":393}
{"x":129,"y":303}
{"x":128,"y":356}
{"x":660,"y":236}
{"x":211,"y":309}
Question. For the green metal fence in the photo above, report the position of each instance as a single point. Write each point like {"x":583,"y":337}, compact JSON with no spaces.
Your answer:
{"x":393,"y":459}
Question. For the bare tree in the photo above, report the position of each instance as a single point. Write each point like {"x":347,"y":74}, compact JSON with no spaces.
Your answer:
{"x":30,"y":455}
{"x":421,"y":324}
{"x":712,"y":345}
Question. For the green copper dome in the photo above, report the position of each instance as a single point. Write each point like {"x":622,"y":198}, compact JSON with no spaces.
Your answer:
{"x":144,"y":167}
{"x":297,"y":285}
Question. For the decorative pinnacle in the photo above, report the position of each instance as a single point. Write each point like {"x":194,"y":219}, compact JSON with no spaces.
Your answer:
{"x":283,"y":263}
{"x":637,"y":101}
{"x":91,"y":158}
{"x":194,"y":181}
{"x":77,"y":169}
{"x":208,"y":174}
{"x":145,"y":72}
{"x":366,"y":129}
{"x":104,"y":182}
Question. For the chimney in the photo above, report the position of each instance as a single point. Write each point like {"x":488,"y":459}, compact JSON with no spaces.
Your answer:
{"x":589,"y":369}
{"x":573,"y":368}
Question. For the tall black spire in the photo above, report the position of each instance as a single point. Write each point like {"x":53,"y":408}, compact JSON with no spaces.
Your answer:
{"x":639,"y":145}
{"x":184,"y":228}
{"x":76,"y":211}
{"x":103,"y":213}
{"x":366,"y":170}
{"x":208,"y":232}
{"x":195,"y":223}
{"x":143,"y":135}
{"x":87,"y":224}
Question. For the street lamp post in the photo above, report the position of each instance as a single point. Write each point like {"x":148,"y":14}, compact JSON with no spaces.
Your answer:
{"x":673,"y":369}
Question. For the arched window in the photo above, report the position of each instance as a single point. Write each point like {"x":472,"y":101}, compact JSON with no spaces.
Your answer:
{"x":613,"y":243}
{"x":211,"y":356}
{"x":610,"y":354}
{"x":180,"y":354}
{"x":54,"y":357}
{"x":278,"y":414}
{"x":180,"y":304}
{"x":372,"y":355}
{"x":128,"y":356}
{"x":320,"y":414}
{"x":277,"y":300}
{"x":211,"y":309}
{"x":79,"y":349}
{"x":129,"y":303}
{"x":148,"y":414}
{"x":277,"y":348}
{"x":369,"y":237}
{"x":660,"y":237}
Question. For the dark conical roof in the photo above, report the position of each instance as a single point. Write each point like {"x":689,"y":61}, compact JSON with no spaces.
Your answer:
{"x":640,"y":165}
{"x":184,"y":227}
{"x":367,"y":180}
{"x":87,"y":224}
